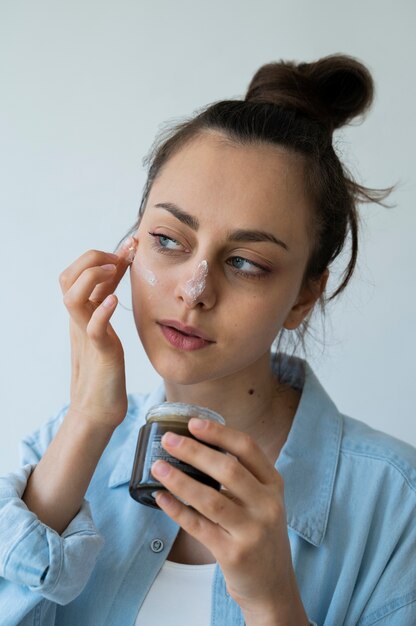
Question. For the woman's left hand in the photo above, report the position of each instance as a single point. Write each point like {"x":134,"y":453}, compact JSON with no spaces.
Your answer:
{"x":245,"y":526}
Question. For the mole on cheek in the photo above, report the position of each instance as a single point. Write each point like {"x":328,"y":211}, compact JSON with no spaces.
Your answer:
{"x":251,"y":391}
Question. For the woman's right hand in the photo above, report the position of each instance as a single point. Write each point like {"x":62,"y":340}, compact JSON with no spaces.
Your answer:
{"x":57,"y":485}
{"x":98,"y":385}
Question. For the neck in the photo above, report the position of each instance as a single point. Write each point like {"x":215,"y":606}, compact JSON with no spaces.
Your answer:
{"x":253,"y":401}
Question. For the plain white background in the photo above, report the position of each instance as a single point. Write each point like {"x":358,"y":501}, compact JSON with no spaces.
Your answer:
{"x":85,"y":86}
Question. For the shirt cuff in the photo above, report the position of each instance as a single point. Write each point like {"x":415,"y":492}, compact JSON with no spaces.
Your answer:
{"x":56,"y":566}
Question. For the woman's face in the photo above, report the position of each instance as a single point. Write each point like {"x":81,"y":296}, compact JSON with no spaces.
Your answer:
{"x":194,"y":264}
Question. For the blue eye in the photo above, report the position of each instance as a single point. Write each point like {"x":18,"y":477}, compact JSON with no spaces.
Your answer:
{"x":163,"y":238}
{"x":162,"y":243}
{"x":241,"y":266}
{"x":242,"y":261}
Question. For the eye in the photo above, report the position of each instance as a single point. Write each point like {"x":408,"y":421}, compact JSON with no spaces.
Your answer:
{"x":161,"y":243}
{"x":241,"y":262}
{"x":164,"y":242}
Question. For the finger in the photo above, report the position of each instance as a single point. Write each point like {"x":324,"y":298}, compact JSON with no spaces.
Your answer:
{"x":225,"y":469}
{"x":97,"y":328}
{"x":125,"y":254}
{"x":239,"y":444}
{"x":214,"y":506}
{"x":91,"y":258}
{"x":209,"y":534}
{"x":76,"y":299}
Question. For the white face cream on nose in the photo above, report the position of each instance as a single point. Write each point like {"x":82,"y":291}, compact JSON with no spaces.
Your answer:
{"x":196,"y":285}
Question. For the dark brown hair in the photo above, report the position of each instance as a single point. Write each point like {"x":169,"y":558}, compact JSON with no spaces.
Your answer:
{"x":296,"y":106}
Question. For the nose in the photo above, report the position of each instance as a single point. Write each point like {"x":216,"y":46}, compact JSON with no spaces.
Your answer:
{"x":197,"y":290}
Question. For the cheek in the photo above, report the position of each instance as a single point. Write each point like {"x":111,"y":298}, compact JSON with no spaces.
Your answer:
{"x":149,"y":283}
{"x":254,"y":320}
{"x":144,"y":270}
{"x":142,"y":273}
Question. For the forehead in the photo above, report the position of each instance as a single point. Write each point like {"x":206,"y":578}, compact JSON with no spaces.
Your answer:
{"x":213,"y":176}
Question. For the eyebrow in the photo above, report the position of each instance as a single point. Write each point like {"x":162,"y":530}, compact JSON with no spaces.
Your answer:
{"x":239,"y":234}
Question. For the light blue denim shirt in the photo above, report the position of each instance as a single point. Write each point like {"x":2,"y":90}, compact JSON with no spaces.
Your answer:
{"x":351,"y":514}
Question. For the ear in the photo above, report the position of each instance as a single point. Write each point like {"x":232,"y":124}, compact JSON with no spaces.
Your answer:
{"x":305,"y":302}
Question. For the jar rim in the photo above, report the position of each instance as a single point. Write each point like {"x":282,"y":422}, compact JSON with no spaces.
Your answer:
{"x":172,"y":410}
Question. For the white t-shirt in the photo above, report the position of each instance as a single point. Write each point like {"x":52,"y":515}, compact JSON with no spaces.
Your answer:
{"x":179,"y":596}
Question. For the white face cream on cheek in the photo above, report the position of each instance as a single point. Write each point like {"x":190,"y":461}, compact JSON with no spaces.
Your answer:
{"x":196,"y":285}
{"x":145,"y":273}
{"x":139,"y":268}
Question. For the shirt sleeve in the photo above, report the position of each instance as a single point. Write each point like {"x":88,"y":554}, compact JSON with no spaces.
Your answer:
{"x":35,"y":561}
{"x":399,"y":612}
{"x":393,"y":600}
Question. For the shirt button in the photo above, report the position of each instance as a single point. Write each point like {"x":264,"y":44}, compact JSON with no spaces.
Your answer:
{"x":157,"y":545}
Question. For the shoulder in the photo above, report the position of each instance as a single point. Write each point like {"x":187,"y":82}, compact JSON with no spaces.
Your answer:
{"x":363,"y":447}
{"x":373,"y":513}
{"x":375,"y":487}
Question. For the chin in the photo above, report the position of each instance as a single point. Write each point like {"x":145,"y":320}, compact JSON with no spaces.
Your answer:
{"x":174,"y":366}
{"x":177,"y":371}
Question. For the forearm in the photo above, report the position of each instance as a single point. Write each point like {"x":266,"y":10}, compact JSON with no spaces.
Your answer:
{"x":287,"y":611}
{"x":292,"y":617}
{"x":295,"y":616}
{"x":57,"y":486}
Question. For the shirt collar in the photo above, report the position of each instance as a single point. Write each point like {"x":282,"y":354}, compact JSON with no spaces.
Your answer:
{"x":309,"y":458}
{"x":307,"y":461}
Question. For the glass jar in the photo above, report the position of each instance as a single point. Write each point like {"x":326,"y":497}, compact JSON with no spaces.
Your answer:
{"x":173,"y":417}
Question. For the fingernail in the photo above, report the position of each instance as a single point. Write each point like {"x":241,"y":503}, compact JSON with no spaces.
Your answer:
{"x":197,"y":423}
{"x":108,"y":302}
{"x":171,"y":439}
{"x":130,"y":246}
{"x":164,"y":498}
{"x":127,"y":243}
{"x":160,"y":468}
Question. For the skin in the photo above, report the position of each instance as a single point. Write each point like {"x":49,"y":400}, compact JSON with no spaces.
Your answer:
{"x":224,"y":186}
{"x":242,"y":315}
{"x":243,"y":527}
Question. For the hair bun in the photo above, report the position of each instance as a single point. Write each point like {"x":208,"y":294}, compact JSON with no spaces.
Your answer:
{"x":332,"y":90}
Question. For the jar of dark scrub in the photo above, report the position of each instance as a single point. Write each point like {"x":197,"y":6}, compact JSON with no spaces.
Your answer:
{"x":173,"y":417}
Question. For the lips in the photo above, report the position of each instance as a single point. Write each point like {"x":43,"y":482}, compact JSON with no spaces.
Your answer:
{"x":180,"y":341}
{"x":187,"y":330}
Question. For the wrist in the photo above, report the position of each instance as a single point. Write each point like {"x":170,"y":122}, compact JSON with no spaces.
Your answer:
{"x":282,"y":611}
{"x":277,"y":617}
{"x":87,"y":425}
{"x":57,"y":486}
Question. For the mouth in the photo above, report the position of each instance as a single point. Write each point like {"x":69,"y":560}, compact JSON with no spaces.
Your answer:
{"x":182,"y":340}
{"x":186,"y":331}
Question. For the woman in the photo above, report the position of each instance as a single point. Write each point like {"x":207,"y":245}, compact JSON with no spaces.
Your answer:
{"x":245,"y":208}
